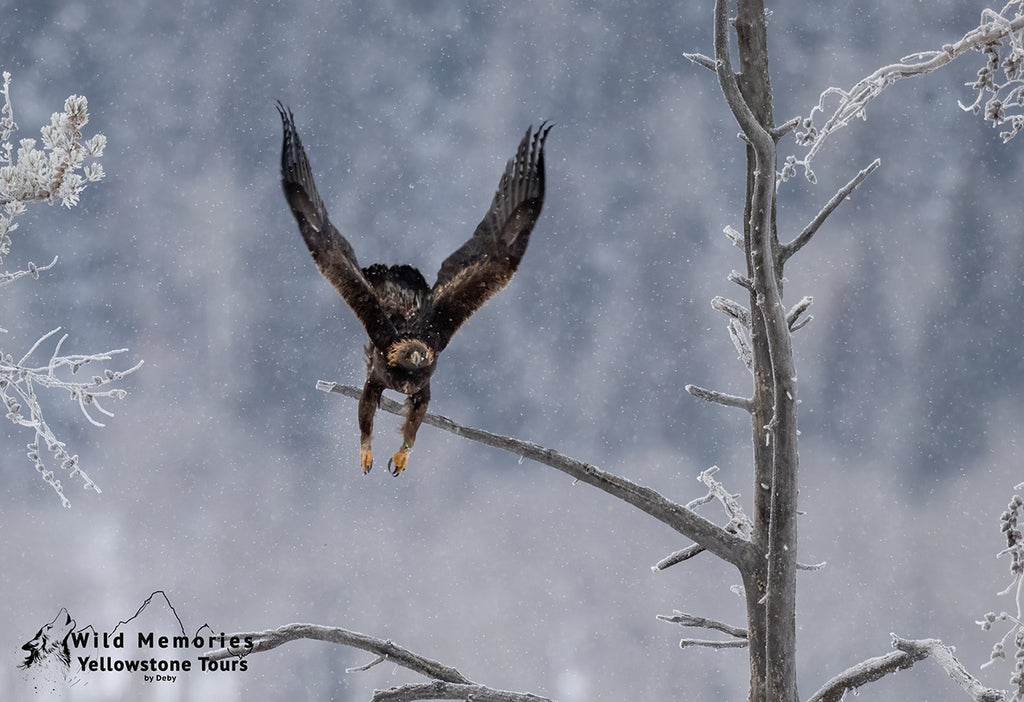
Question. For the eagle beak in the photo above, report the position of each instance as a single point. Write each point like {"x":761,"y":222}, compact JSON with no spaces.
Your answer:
{"x":416,"y":358}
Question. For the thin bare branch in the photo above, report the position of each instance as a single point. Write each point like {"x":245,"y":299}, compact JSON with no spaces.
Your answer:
{"x":272,"y":638}
{"x":740,"y":338}
{"x":702,"y":60}
{"x":361,"y":668}
{"x":726,"y":546}
{"x":820,"y":565}
{"x":732,"y":308}
{"x":798,"y":243}
{"x":785,"y":128}
{"x":721,"y":398}
{"x":439,"y":690}
{"x":706,"y":643}
{"x":793,"y":316}
{"x":678,"y":557}
{"x":684,"y":619}
{"x":741,"y":280}
{"x":734,"y":236}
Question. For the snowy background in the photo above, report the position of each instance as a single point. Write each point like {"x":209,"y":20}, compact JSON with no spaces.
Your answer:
{"x":232,"y":484}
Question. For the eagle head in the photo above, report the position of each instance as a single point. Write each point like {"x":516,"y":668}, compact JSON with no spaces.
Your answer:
{"x":410,"y":355}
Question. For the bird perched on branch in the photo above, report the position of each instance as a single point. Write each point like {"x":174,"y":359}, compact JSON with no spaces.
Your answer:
{"x":409,"y":323}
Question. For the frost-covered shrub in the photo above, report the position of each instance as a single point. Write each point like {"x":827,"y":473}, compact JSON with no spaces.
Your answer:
{"x":57,"y":173}
{"x":1010,"y":525}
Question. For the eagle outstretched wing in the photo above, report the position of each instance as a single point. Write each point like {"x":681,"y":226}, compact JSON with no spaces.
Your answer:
{"x":331,"y":252}
{"x":483,"y":265}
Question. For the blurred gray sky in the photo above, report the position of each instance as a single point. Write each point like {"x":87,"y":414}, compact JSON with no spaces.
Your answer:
{"x":233,"y":485}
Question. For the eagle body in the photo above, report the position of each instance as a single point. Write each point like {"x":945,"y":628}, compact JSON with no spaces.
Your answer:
{"x":408,"y":321}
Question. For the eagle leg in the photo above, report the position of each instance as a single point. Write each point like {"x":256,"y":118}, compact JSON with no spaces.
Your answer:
{"x":367,"y":407}
{"x":417,"y":408}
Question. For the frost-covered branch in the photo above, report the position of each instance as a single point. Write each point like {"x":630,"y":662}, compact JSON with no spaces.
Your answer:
{"x":943,"y":655}
{"x":863,"y":673}
{"x":739,"y":334}
{"x":54,"y":174}
{"x":739,"y":523}
{"x":739,"y":635}
{"x":448,"y":683}
{"x":999,"y":36}
{"x":690,"y":620}
{"x":33,"y":270}
{"x":272,"y":638}
{"x":793,"y":317}
{"x":678,"y":557}
{"x":721,"y":398}
{"x":19,"y":380}
{"x":909,"y":652}
{"x":728,"y":547}
{"x":439,"y":690}
{"x":819,"y":219}
{"x":51,"y":174}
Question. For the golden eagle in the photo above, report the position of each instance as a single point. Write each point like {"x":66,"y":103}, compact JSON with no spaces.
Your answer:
{"x":408,"y":322}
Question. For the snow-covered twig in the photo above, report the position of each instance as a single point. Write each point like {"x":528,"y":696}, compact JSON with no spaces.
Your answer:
{"x":18,"y":383}
{"x":819,"y":219}
{"x":739,"y":635}
{"x":678,"y":557}
{"x":32,"y":270}
{"x":793,"y":317}
{"x":684,"y":619}
{"x":739,"y":522}
{"x":720,"y":398}
{"x":709,"y":643}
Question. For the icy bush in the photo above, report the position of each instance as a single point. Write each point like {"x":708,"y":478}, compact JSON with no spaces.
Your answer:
{"x":1010,"y":525}
{"x":54,"y":174}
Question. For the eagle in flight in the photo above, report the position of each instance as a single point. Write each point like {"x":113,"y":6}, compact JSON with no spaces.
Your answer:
{"x":409,"y":323}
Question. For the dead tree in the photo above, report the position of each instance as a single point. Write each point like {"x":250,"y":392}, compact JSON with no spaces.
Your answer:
{"x":762,"y":545}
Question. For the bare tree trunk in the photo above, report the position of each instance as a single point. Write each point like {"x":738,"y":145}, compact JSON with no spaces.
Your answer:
{"x":771,"y":586}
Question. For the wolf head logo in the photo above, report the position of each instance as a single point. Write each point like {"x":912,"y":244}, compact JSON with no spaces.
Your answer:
{"x":47,"y":655}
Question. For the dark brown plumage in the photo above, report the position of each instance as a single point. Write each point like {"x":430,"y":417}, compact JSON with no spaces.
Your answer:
{"x":408,"y":322}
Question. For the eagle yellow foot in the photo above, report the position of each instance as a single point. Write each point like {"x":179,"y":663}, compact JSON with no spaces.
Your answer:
{"x":398,"y":462}
{"x":365,"y":460}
